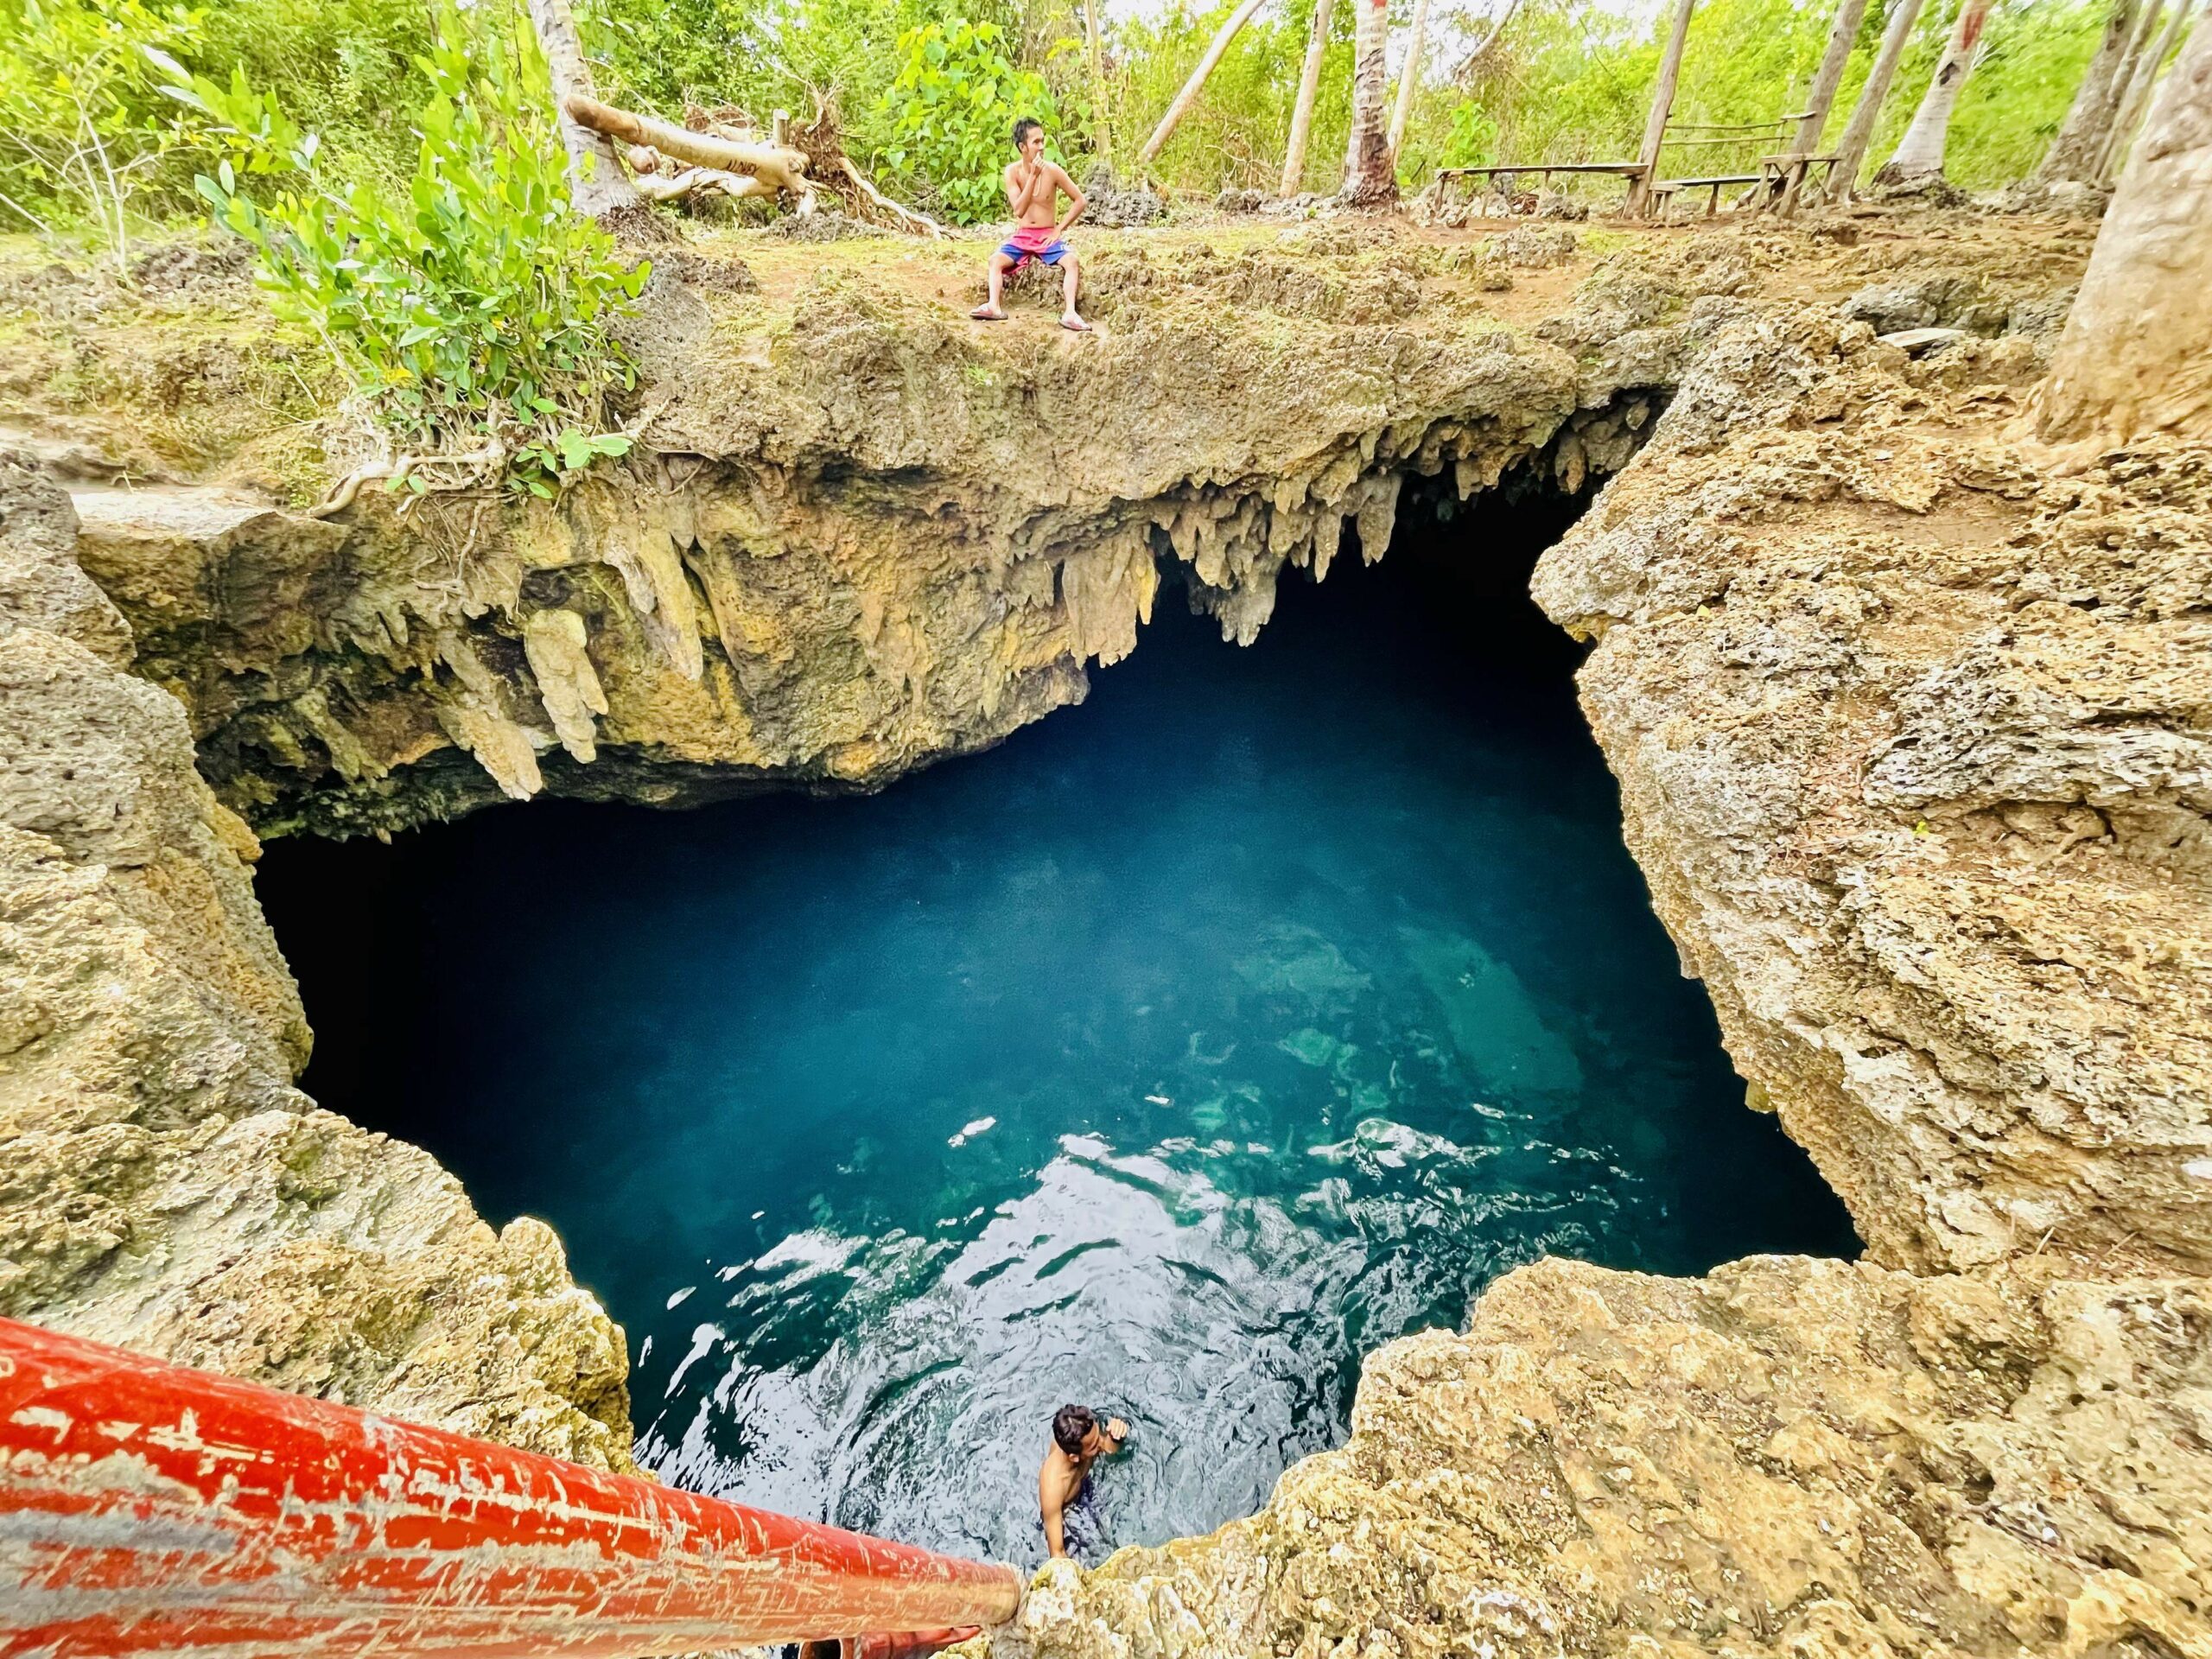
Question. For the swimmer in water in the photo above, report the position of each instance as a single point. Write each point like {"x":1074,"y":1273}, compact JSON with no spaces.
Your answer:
{"x":1078,"y":1441}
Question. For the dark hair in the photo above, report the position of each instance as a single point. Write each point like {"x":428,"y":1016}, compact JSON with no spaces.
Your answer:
{"x":1021,"y":129}
{"x":1071,"y":1425}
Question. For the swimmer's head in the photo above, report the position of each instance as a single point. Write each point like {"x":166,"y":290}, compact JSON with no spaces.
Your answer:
{"x":1072,"y":1427}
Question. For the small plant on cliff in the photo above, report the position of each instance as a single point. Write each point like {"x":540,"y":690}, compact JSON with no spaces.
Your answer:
{"x":473,"y":309}
{"x":949,"y":116}
{"x":85,"y":133}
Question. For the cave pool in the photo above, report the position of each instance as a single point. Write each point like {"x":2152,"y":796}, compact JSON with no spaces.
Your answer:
{"x":1167,"y":1058}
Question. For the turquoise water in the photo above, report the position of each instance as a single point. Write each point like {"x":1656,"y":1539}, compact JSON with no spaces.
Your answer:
{"x":1166,"y":1057}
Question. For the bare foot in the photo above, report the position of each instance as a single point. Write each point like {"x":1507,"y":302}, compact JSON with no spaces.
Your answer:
{"x":1075,"y":324}
{"x":984,"y":313}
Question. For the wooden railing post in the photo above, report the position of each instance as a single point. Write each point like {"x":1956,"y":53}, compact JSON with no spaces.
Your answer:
{"x":1663,"y":105}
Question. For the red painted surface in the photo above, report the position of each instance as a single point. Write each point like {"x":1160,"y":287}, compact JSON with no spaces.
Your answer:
{"x":146,"y":1508}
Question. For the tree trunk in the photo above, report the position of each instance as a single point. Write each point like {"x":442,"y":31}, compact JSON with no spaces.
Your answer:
{"x":1843,"y":34}
{"x":1662,"y":106}
{"x":1370,"y":178}
{"x":1228,"y":32}
{"x":2073,"y":154}
{"x":597,"y":184}
{"x":2136,"y":358}
{"x":1408,"y":77}
{"x":1482,"y":46}
{"x":1920,"y":152}
{"x":2137,"y":99}
{"x":1858,"y":132}
{"x":1309,"y":88}
{"x":1098,"y":79}
{"x":778,"y":167}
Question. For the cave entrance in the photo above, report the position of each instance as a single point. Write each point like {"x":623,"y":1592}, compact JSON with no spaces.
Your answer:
{"x":1168,"y":1057}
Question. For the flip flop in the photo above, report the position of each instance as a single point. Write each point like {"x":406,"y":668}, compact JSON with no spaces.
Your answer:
{"x":1077,"y":327}
{"x":981,"y":315}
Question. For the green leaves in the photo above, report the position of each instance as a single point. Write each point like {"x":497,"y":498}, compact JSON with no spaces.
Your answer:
{"x":473,"y":304}
{"x":84,"y":131}
{"x":950,"y":114}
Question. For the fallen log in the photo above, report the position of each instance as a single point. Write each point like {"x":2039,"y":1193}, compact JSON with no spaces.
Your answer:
{"x":778,"y":167}
{"x":657,"y":180}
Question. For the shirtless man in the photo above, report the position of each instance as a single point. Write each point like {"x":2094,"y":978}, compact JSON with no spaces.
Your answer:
{"x":1034,"y":186}
{"x":1078,"y":1441}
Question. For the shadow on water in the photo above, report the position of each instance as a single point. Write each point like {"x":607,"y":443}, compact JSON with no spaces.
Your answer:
{"x":1167,"y":1058}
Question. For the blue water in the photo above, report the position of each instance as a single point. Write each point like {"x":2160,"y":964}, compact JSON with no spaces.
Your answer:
{"x":1167,"y":1058}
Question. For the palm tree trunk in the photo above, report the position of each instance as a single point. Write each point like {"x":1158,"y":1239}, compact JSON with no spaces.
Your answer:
{"x":2137,"y":99}
{"x":1408,"y":77}
{"x":1858,"y":132}
{"x":1920,"y":152}
{"x":2136,"y":358}
{"x":1370,"y":178}
{"x":1228,"y":32}
{"x":1662,"y":106}
{"x":2072,"y":155}
{"x":1309,"y":88}
{"x":597,"y":184}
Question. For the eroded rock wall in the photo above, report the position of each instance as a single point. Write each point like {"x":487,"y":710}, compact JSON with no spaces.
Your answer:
{"x":877,"y":542}
{"x":1913,"y":740}
{"x":1788,"y":1457}
{"x":163,"y":1186}
{"x":1910,"y":722}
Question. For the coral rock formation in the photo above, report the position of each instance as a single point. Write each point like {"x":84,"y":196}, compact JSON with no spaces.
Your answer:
{"x":166,"y":1187}
{"x":877,"y":541}
{"x":1788,"y":1457}
{"x":1913,"y":752}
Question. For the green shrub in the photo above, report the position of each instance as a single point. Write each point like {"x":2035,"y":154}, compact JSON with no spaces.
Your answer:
{"x":1471,"y":138}
{"x":471,"y":308}
{"x":948,"y":119}
{"x":85,"y":127}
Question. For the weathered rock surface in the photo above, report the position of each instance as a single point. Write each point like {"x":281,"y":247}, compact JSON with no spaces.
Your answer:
{"x":161,"y":1184}
{"x":1912,"y":733}
{"x":881,"y":537}
{"x":1788,"y":1457}
{"x":1913,"y":739}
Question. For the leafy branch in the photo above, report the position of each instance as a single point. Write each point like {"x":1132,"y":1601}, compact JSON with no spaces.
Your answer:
{"x":471,"y":307}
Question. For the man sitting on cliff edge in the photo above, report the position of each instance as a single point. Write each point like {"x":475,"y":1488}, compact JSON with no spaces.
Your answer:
{"x":1034,"y":186}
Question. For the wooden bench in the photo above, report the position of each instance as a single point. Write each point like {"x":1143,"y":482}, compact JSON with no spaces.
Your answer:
{"x":1785,"y":176}
{"x":1446,"y":176}
{"x":1665,"y":188}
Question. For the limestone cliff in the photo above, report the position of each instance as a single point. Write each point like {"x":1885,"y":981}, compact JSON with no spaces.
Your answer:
{"x":860,"y":533}
{"x":1911,"y":734}
{"x":1812,"y":1458}
{"x":165,"y":1186}
{"x":1914,"y":747}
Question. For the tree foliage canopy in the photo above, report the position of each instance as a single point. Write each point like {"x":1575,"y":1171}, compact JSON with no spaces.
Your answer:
{"x":924,"y":91}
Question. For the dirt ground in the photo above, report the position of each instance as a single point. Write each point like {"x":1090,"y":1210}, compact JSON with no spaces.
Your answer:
{"x":168,"y":376}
